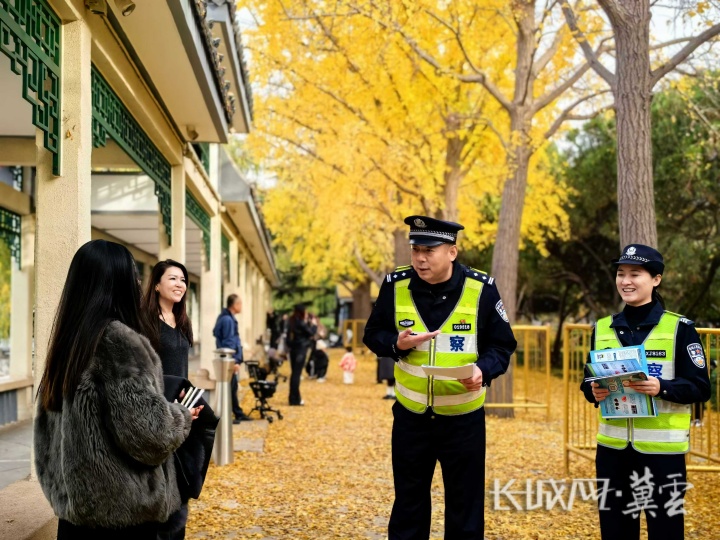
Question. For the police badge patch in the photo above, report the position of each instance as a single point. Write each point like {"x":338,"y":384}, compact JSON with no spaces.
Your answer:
{"x":696,"y":354}
{"x":405,"y":323}
{"x":500,"y":308}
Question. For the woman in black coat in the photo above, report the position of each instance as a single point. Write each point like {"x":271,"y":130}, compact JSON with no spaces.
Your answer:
{"x":301,"y":329}
{"x":168,"y":328}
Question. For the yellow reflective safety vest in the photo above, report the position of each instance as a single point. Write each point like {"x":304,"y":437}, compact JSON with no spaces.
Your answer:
{"x":667,"y":433}
{"x":455,"y":345}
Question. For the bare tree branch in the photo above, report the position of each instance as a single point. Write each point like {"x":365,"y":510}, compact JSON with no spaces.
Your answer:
{"x":377,"y":278}
{"x":587,"y":50}
{"x":549,"y":53}
{"x":683,"y":53}
{"x":559,"y":90}
{"x":566,"y":114}
{"x":479,"y":77}
{"x":307,"y":151}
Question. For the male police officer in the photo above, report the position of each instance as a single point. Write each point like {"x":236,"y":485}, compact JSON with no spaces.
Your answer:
{"x":439,"y":312}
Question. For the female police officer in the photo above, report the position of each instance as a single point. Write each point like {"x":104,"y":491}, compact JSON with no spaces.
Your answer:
{"x":643,"y":459}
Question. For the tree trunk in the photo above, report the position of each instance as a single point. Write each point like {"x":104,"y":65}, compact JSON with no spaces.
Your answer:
{"x":453,"y":166}
{"x":630,"y":20}
{"x":507,"y":244}
{"x":402,"y":247}
{"x":362,"y":304}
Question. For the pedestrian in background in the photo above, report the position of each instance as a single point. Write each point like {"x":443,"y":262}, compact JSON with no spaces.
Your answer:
{"x":104,"y":433}
{"x":227,"y":336}
{"x":648,"y":451}
{"x":301,"y":329}
{"x":321,"y":360}
{"x":386,"y":372}
{"x":348,"y":363}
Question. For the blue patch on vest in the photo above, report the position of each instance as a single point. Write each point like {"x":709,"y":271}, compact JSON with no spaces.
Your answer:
{"x":457,"y":343}
{"x":654,"y":369}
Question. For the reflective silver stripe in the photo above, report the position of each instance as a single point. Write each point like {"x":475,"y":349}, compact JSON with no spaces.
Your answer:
{"x":660,"y":435}
{"x":613,"y":431}
{"x":424,"y":347}
{"x":417,"y":371}
{"x":670,"y":407}
{"x":450,"y":343}
{"x":412,"y":395}
{"x":439,"y":401}
{"x":457,"y":399}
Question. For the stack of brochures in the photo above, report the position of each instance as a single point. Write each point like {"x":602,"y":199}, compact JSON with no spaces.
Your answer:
{"x":192,"y":396}
{"x":610,"y":368}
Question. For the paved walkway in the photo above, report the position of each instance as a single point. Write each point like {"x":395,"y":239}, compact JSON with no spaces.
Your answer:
{"x":323,"y":473}
{"x":15,"y":441}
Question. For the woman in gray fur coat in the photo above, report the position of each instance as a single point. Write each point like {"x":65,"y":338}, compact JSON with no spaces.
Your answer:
{"x":104,"y":432}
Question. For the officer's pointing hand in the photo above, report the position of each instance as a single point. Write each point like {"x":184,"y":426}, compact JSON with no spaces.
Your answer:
{"x":407,"y":340}
{"x":475,"y":382}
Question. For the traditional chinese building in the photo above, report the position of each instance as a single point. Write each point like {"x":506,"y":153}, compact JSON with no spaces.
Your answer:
{"x":112,"y":120}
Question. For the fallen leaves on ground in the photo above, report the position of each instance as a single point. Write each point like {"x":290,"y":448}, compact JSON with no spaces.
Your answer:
{"x":325,"y":473}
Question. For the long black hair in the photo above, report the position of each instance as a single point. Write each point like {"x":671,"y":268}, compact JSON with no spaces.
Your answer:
{"x":102,"y":285}
{"x":658,"y":297}
{"x":151,"y":305}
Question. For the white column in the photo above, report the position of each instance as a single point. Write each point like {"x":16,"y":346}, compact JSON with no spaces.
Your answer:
{"x":210,"y":303}
{"x":63,"y":202}
{"x":176,"y":251}
{"x":243,"y":292}
{"x":233,"y":284}
{"x":21,"y":318}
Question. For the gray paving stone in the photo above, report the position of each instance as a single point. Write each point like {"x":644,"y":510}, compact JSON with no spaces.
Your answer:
{"x":249,"y":445}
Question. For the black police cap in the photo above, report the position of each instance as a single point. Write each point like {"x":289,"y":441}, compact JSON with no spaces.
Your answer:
{"x":427,"y":231}
{"x":642,"y":255}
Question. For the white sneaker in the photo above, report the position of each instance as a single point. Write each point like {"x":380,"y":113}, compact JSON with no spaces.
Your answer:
{"x":321,"y":379}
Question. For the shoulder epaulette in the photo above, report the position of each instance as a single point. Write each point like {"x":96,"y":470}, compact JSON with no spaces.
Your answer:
{"x":683,"y":318}
{"x":400,"y":273}
{"x":479,"y":275}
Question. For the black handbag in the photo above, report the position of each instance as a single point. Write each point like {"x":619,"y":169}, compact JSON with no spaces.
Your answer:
{"x":192,"y":458}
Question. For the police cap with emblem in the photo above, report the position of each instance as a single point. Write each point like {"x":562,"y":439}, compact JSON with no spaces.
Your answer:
{"x":427,"y":231}
{"x":642,"y":255}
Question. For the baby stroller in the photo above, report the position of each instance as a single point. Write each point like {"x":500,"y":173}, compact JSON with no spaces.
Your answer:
{"x":262,"y":390}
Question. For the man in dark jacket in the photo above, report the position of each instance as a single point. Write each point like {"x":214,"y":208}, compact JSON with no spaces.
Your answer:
{"x":227,"y":337}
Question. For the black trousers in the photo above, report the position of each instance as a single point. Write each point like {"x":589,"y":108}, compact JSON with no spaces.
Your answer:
{"x":297,"y":363}
{"x":458,"y":443}
{"x":237,"y":410}
{"x":68,"y":531}
{"x":174,"y":527}
{"x":641,"y":481}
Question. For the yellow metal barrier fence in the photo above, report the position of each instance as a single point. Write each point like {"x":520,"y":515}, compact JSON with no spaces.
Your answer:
{"x":530,"y":370}
{"x":580,"y":417}
{"x":352,"y":334}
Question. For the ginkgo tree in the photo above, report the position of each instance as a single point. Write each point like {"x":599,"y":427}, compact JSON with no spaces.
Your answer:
{"x":532,"y":65}
{"x":361,"y":132}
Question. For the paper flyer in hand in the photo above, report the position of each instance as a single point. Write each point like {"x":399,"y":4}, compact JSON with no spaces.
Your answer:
{"x":457,"y":372}
{"x":609,"y":368}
